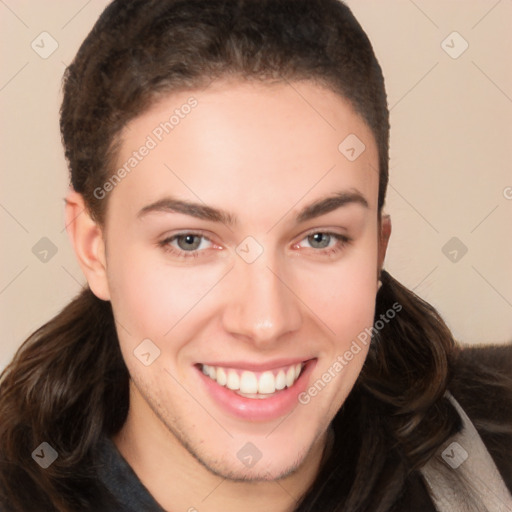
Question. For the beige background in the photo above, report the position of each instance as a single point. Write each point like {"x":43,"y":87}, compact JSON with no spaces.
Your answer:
{"x":450,"y":157}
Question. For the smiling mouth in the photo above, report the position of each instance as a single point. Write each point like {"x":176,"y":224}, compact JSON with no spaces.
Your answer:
{"x":259,"y":385}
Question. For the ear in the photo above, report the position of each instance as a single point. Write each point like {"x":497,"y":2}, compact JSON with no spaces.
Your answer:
{"x":384,"y":234}
{"x":87,"y":239}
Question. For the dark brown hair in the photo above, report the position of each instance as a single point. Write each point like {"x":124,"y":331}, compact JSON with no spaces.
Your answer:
{"x":68,"y":384}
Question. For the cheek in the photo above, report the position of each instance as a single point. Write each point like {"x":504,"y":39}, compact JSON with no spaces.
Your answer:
{"x":343,"y":294}
{"x":150,"y":297}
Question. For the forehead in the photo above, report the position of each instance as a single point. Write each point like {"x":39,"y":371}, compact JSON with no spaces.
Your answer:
{"x":246,"y":144}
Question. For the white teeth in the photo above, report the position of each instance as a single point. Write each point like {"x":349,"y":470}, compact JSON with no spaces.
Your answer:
{"x":267,"y":383}
{"x":233,"y":381}
{"x":248,"y":383}
{"x":254,"y":385}
{"x":280,"y":380}
{"x":222,"y":378}
{"x":290,"y":376}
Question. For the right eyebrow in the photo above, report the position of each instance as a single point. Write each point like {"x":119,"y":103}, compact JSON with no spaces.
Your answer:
{"x":198,"y":210}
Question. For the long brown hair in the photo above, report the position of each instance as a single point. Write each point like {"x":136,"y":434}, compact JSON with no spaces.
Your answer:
{"x":68,"y":384}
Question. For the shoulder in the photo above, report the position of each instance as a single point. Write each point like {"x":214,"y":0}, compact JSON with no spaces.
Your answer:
{"x":482,"y":384}
{"x":497,"y":357}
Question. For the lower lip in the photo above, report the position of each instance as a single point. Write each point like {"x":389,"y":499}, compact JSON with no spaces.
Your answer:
{"x":258,"y":409}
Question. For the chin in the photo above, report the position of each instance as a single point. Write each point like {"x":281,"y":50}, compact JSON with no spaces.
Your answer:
{"x":275,"y":470}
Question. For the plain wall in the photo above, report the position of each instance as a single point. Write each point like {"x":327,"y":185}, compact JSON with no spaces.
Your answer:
{"x":450,"y":158}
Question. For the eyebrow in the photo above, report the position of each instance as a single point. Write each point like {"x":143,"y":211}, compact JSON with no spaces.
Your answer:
{"x":204,"y":212}
{"x":331,"y":203}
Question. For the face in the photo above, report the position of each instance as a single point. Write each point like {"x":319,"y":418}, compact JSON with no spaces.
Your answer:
{"x":242,"y":254}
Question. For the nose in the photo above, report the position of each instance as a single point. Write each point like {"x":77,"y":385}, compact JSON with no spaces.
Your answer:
{"x":262,"y":307}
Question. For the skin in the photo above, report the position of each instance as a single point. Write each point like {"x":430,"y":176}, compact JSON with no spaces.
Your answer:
{"x":262,"y":153}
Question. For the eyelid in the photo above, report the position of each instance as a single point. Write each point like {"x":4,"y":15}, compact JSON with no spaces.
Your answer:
{"x":326,"y":231}
{"x":194,"y":232}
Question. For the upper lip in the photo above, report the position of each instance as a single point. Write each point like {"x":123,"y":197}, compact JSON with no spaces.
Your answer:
{"x":259,"y":367}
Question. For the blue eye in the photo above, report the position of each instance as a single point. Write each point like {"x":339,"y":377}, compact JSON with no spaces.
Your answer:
{"x":320,"y":240}
{"x":325,"y":242}
{"x":186,"y":244}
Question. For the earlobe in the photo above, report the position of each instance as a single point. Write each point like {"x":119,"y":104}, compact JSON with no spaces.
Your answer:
{"x":87,"y":239}
{"x":384,"y":235}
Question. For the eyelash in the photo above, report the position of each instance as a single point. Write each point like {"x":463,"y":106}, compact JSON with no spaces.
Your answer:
{"x":342,"y":242}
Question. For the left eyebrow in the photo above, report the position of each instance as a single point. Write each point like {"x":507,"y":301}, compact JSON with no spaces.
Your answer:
{"x":329,"y":204}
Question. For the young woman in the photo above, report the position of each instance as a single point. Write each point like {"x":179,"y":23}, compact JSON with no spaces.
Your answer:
{"x":239,"y":345}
